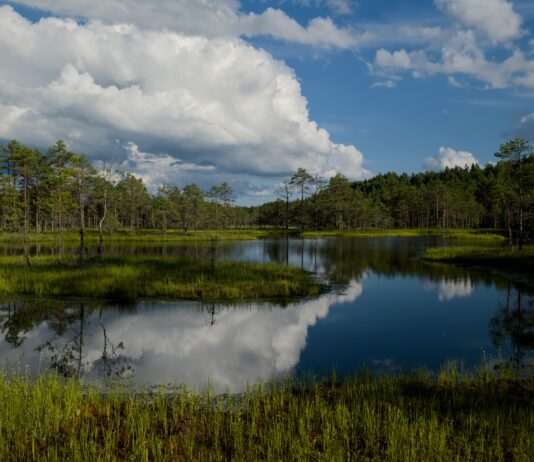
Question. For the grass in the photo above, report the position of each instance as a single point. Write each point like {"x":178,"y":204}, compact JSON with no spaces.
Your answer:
{"x":499,"y":257}
{"x":484,"y":416}
{"x":471,"y":234}
{"x":155,"y":236}
{"x":139,"y":236}
{"x":128,"y":279}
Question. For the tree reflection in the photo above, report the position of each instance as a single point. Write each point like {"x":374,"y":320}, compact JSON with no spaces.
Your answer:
{"x":68,"y":323}
{"x":514,"y":322}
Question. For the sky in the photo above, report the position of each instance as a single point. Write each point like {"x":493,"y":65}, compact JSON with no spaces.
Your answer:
{"x":206,"y":91}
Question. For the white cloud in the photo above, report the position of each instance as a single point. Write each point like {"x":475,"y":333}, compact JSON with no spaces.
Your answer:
{"x":209,"y":18}
{"x":385,"y":84}
{"x":454,"y":83}
{"x":341,"y":6}
{"x":449,"y":157}
{"x":461,"y":54}
{"x":421,"y":32}
{"x":496,"y":18}
{"x":217,"y":102}
{"x":526,"y":127}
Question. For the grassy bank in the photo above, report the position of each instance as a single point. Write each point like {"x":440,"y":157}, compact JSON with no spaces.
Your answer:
{"x":155,"y":236}
{"x":406,"y":418}
{"x":471,"y":234}
{"x":498,"y":257}
{"x":143,"y":277}
{"x":139,"y":236}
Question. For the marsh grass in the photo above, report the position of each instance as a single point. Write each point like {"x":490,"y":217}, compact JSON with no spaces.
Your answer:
{"x":464,"y":234}
{"x":128,"y":279}
{"x":138,"y":236}
{"x":499,"y":257}
{"x":418,"y":416}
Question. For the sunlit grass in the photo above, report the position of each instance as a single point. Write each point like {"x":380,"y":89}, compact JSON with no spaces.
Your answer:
{"x":407,"y":417}
{"x":499,"y":257}
{"x":170,"y":278}
{"x":471,"y":234}
{"x":139,"y":236}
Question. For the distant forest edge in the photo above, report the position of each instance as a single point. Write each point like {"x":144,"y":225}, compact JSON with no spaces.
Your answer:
{"x":60,"y":189}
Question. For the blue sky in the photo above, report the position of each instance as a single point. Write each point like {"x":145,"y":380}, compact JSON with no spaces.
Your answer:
{"x":258,"y":88}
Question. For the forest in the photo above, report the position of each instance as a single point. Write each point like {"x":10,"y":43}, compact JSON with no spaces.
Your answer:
{"x":58,"y":189}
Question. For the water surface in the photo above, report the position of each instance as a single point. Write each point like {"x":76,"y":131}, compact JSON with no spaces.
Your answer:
{"x":387,"y":310}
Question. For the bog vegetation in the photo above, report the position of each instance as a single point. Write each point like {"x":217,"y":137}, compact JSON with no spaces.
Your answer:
{"x":450,"y":416}
{"x":127,"y":279}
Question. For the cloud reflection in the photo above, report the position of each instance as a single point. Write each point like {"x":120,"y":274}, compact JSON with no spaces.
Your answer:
{"x":450,"y":289}
{"x":177,"y":342}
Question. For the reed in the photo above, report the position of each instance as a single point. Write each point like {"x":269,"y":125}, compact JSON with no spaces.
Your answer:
{"x":453,"y":415}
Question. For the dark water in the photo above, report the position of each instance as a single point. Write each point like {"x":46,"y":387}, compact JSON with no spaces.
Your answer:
{"x":388,"y":311}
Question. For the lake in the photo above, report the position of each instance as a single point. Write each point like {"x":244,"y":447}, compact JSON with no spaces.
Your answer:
{"x":386,"y":310}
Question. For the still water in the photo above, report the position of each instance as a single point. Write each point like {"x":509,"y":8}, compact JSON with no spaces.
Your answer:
{"x":387,"y":311}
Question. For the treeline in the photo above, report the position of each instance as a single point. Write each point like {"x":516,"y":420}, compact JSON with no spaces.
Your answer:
{"x":59,"y":189}
{"x":499,"y":195}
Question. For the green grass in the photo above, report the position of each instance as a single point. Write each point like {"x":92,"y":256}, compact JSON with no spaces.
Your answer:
{"x":472,"y":234}
{"x":158,"y":277}
{"x":498,"y":257}
{"x":139,"y":236}
{"x":155,"y":236}
{"x":408,"y":417}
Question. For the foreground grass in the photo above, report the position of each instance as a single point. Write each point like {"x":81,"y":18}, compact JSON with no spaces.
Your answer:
{"x":408,"y":417}
{"x":499,"y":257}
{"x":159,"y":277}
{"x":471,"y":234}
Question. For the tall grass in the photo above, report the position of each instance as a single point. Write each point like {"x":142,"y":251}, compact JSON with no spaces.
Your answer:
{"x":137,"y":236}
{"x":480,"y":417}
{"x":499,"y":257}
{"x":469,"y":234}
{"x":131,"y":278}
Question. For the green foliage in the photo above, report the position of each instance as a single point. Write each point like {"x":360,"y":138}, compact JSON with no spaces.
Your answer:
{"x":461,"y":234}
{"x":498,"y":257}
{"x":128,"y":279}
{"x":452,"y":416}
{"x":59,"y":189}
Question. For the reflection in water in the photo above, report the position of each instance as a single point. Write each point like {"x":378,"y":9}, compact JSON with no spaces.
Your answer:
{"x":450,"y":289}
{"x":229,"y":346}
{"x":397,"y":320}
{"x":514,"y":323}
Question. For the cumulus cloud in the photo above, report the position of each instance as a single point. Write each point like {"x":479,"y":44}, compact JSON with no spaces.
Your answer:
{"x":496,"y":18}
{"x":461,"y":54}
{"x":180,"y":100}
{"x":480,"y":26}
{"x":449,"y":157}
{"x":209,"y":18}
